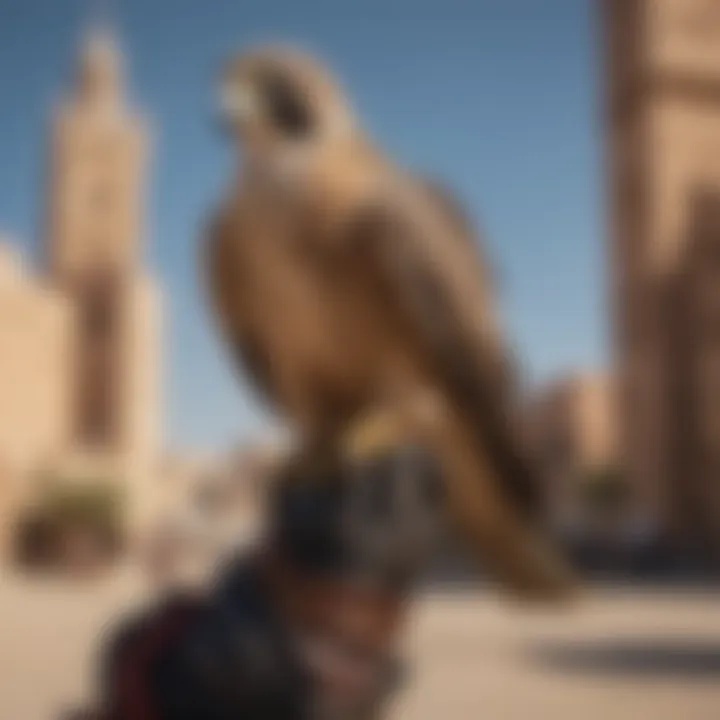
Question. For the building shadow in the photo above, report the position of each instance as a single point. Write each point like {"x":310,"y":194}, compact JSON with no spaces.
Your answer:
{"x":645,"y":657}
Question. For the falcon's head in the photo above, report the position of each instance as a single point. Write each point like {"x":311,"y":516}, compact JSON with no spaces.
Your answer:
{"x":279,"y":100}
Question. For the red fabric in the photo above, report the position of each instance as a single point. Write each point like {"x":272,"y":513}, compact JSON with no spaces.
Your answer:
{"x":133,"y":693}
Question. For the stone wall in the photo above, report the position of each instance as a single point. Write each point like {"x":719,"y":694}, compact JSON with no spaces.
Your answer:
{"x":36,"y":329}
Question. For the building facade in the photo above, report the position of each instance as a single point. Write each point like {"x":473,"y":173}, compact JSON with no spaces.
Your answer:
{"x":663,"y":120}
{"x":571,"y":426}
{"x":36,"y":361}
{"x":81,"y":335}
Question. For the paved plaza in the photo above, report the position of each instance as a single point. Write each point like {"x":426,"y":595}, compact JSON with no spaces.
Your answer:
{"x":618,"y":655}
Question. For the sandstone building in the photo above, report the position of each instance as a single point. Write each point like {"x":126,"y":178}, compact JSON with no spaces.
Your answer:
{"x":80,"y":337}
{"x":663,"y":118}
{"x":36,"y":360}
{"x":571,"y":426}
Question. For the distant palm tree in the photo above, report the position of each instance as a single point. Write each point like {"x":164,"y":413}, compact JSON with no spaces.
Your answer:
{"x":605,"y":491}
{"x":69,"y":515}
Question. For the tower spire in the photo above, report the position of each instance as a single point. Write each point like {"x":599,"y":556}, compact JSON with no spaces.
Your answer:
{"x":100,"y":77}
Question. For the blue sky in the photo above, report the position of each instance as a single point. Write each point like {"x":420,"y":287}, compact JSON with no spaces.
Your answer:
{"x":499,"y":98}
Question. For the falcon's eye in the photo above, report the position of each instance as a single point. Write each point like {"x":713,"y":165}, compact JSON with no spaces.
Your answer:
{"x":286,"y":106}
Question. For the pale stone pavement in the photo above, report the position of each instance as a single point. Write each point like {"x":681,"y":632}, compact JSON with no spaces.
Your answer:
{"x":617,"y":656}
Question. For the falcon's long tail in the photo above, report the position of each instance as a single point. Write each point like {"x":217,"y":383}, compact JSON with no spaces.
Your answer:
{"x":491,"y":517}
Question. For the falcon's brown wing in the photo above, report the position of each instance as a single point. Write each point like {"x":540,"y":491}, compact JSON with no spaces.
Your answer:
{"x":226,"y":285}
{"x":457,"y":218}
{"x":444,"y":201}
{"x":430,"y":284}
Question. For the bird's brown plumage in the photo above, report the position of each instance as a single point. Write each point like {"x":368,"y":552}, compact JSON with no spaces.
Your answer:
{"x":345,"y":285}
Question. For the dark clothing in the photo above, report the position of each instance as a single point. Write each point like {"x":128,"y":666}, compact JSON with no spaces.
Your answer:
{"x":218,"y":658}
{"x":223,"y":657}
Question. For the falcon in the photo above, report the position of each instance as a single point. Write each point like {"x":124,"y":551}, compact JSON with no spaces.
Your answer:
{"x":348,"y":287}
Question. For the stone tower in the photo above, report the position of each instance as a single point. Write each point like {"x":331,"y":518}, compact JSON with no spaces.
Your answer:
{"x":663,"y":118}
{"x":95,"y":256}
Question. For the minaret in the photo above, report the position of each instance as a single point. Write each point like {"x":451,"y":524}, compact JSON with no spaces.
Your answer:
{"x":95,"y":255}
{"x":98,"y":171}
